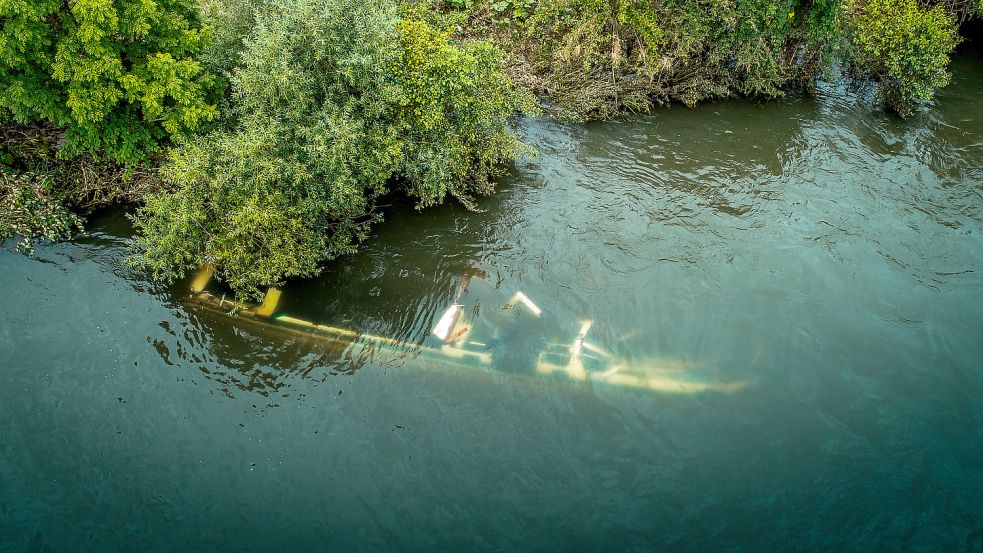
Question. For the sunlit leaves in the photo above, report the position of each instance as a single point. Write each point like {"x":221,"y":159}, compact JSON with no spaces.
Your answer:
{"x":117,"y":76}
{"x":906,"y":47}
{"x":335,"y":102}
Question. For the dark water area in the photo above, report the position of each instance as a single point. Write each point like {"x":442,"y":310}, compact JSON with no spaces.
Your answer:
{"x":807,"y":274}
{"x":971,"y":33}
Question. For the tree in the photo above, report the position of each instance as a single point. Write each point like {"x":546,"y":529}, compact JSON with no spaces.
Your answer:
{"x":905,"y":48}
{"x":117,"y":76}
{"x":337,"y":102}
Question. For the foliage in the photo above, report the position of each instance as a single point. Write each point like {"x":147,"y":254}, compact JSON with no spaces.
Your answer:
{"x":231,"y":22}
{"x":29,"y":211}
{"x":600,"y":56}
{"x":595,"y":58}
{"x":453,"y":101}
{"x":337,"y":102}
{"x":117,"y":75}
{"x":42,"y":194}
{"x":906,"y":48}
{"x":518,"y":9}
{"x":961,"y":9}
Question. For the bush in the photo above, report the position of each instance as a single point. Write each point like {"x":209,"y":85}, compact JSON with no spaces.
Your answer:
{"x":906,"y":48}
{"x":29,"y":211}
{"x":338,"y":101}
{"x":596,"y":58}
{"x":117,"y":76}
{"x":604,"y":55}
{"x":41,"y":194}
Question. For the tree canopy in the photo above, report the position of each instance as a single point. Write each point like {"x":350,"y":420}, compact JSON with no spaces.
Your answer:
{"x":905,"y":47}
{"x":337,"y":103}
{"x":117,"y":76}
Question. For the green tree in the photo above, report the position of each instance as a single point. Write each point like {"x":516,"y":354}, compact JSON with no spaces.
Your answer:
{"x":337,"y":103}
{"x":906,"y":48}
{"x":117,"y":76}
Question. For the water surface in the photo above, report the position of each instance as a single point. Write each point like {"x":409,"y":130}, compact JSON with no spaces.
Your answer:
{"x":825,"y":255}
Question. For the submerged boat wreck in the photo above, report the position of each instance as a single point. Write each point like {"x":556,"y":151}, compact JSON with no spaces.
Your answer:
{"x":468,"y":339}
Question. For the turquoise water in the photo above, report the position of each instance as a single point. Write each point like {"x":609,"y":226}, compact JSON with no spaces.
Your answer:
{"x":822,"y":256}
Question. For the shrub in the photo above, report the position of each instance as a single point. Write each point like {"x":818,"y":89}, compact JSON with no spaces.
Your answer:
{"x":42,"y":194}
{"x":117,"y":75}
{"x":338,"y":101}
{"x":906,"y":48}
{"x":595,"y":58}
{"x":29,"y":211}
{"x":603,"y":55}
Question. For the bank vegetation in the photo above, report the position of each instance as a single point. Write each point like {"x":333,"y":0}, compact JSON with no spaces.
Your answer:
{"x":260,"y":136}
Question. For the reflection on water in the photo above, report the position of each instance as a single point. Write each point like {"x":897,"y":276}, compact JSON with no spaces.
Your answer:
{"x":818,"y":258}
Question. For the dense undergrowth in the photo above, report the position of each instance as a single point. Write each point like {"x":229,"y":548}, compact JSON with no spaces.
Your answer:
{"x":259,"y":135}
{"x":597,"y":58}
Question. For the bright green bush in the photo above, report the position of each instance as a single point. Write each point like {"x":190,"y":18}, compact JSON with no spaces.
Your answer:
{"x":338,"y":102}
{"x":453,"y":101}
{"x":117,"y":76}
{"x":906,"y":48}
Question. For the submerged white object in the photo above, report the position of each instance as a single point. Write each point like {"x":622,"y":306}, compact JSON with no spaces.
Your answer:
{"x":578,"y":344}
{"x":655,"y":374}
{"x":575,"y":367}
{"x":447,"y":322}
{"x":519,"y":297}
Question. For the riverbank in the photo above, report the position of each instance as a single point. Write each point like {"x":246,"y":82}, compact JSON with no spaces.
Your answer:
{"x":594,"y":60}
{"x":269,"y":167}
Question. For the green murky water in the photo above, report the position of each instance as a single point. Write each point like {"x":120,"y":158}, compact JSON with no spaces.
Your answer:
{"x":824,"y":258}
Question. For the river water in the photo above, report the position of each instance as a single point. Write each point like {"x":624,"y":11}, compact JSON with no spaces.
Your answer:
{"x":802,"y":278}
